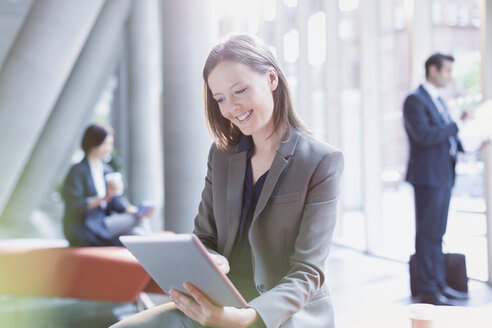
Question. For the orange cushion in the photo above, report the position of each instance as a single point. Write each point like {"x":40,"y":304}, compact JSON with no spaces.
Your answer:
{"x":95,"y":273}
{"x":153,"y":287}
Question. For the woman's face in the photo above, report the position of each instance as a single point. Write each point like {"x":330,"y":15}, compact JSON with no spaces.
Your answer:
{"x":245,"y":97}
{"x":104,"y":150}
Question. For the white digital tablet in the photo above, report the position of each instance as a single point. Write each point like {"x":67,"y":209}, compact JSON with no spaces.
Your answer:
{"x":172,"y":259}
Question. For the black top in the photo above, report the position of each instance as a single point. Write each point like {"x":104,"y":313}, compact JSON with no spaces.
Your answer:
{"x":240,"y":261}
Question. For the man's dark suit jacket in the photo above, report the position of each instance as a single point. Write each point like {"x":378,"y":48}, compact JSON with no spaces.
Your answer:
{"x":85,"y":227}
{"x":430,"y":163}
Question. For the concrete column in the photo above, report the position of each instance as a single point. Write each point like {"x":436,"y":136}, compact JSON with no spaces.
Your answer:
{"x":332,"y":86}
{"x":487,"y":159}
{"x":332,"y":72}
{"x":369,"y":84}
{"x":486,"y":49}
{"x":419,"y":26}
{"x":33,"y":76}
{"x":120,"y":108}
{"x":188,"y":35}
{"x":12,"y":17}
{"x":486,"y":46}
{"x":263,"y":26}
{"x":73,"y":111}
{"x":279,"y":32}
{"x":145,"y":172}
{"x":303,"y":90}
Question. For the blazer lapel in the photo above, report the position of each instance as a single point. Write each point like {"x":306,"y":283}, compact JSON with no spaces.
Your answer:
{"x":430,"y":103}
{"x":90,"y":182}
{"x":234,"y":197}
{"x":279,"y":163}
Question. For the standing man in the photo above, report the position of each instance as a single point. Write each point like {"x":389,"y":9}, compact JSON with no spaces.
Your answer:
{"x":434,"y":143}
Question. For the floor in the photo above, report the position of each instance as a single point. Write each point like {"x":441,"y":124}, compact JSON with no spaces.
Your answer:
{"x":466,"y":229}
{"x":374,"y":292}
{"x":357,"y":282}
{"x":38,"y":312}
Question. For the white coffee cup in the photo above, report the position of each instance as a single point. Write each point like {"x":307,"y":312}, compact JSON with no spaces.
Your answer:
{"x":422,"y":315}
{"x":116,"y":180}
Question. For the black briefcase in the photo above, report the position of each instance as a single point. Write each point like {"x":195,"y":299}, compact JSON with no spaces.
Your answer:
{"x":456,"y":276}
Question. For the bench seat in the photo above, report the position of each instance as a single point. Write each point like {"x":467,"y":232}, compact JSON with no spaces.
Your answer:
{"x":91,"y":273}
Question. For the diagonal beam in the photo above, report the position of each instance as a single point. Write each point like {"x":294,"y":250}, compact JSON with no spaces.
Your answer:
{"x":33,"y":76}
{"x":72,"y":112}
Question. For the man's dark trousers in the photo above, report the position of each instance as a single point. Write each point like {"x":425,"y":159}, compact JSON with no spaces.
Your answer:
{"x":431,"y":212}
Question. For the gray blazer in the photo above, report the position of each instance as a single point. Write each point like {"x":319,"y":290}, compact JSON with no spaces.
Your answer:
{"x":291,"y":231}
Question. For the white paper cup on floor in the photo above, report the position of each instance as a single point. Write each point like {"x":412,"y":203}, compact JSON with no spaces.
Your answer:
{"x":422,"y":315}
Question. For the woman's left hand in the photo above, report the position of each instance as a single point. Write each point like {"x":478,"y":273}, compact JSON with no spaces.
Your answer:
{"x":221,"y":262}
{"x":199,"y":308}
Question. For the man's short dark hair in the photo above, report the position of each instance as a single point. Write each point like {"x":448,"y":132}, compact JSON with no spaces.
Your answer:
{"x":436,"y":60}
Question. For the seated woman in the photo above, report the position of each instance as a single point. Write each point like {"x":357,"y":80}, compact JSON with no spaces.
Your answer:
{"x":95,"y":214}
{"x":268,"y":206}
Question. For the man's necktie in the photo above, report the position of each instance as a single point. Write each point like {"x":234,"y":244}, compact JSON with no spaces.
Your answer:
{"x":453,"y":149}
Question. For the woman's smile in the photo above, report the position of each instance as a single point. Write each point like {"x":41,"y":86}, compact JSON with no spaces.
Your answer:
{"x":244,"y":97}
{"x":243,"y":118}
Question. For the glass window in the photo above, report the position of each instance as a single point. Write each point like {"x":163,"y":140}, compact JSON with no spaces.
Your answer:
{"x":352,"y":224}
{"x":397,"y":199}
{"x":466,"y":230}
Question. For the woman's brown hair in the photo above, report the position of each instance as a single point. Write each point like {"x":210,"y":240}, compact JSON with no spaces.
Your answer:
{"x":251,"y":51}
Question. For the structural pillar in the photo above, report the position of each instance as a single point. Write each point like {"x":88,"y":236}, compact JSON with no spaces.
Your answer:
{"x":332,"y":72}
{"x":332,"y":80}
{"x":63,"y":130}
{"x":487,"y":160}
{"x":369,"y":84}
{"x":145,"y":171}
{"x":120,"y":109}
{"x":33,"y":75}
{"x":303,"y":107}
{"x":486,"y":49}
{"x":188,"y":35}
{"x":419,"y":25}
{"x":279,"y":26}
{"x":486,"y":46}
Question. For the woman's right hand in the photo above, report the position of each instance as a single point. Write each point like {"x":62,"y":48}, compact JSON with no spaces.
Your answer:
{"x":111,"y":192}
{"x":96,"y":202}
{"x":221,"y":262}
{"x":199,"y":308}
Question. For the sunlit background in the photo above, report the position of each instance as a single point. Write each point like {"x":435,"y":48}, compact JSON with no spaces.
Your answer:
{"x":349,"y":63}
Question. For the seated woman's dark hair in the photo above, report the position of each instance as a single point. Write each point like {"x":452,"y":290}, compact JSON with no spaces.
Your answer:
{"x":94,"y":136}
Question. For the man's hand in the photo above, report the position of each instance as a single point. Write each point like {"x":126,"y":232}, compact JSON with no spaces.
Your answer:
{"x":467,"y":115}
{"x":485,"y":143}
{"x":199,"y":308}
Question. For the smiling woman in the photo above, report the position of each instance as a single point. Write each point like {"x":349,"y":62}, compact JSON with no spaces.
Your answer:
{"x":242,"y":97}
{"x":268,"y":207}
{"x":235,"y":58}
